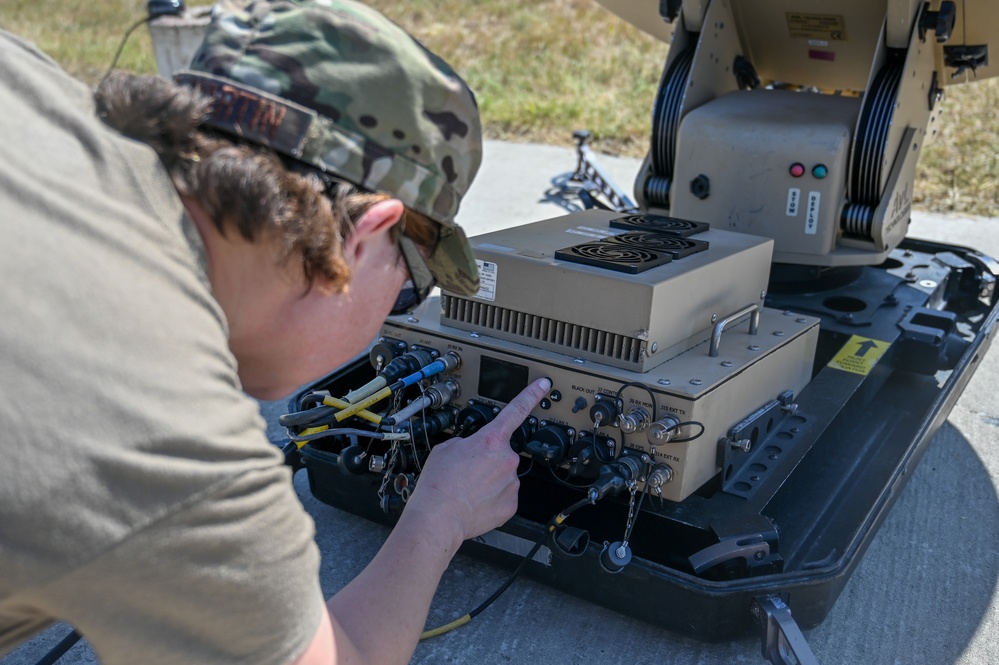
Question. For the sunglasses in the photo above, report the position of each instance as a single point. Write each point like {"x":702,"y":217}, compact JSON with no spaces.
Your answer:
{"x":420,"y":282}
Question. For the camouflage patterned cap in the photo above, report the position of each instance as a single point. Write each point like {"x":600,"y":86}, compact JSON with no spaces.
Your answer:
{"x":340,"y":87}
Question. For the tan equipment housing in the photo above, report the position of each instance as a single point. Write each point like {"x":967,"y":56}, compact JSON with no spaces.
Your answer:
{"x":802,"y":120}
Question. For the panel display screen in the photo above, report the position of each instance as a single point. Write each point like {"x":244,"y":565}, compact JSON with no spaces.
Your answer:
{"x":501,"y":380}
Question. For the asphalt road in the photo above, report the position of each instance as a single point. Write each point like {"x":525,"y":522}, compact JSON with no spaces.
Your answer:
{"x":925,"y":591}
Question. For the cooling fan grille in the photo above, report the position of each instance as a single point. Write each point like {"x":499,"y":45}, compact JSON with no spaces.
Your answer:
{"x":677,"y":248}
{"x":659,"y":223}
{"x":614,"y":256}
{"x":653,"y":241}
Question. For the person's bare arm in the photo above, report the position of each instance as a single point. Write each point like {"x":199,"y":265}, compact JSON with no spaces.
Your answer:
{"x":468,"y":486}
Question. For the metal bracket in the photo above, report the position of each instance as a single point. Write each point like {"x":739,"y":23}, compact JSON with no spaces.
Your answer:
{"x":780,"y":636}
{"x":743,"y":460}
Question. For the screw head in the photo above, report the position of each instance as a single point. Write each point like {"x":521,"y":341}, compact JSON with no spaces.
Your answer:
{"x":663,"y":382}
{"x":726,"y":363}
{"x":696,"y":382}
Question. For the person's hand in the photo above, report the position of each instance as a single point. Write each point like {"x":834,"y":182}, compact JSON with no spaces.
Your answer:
{"x":473,"y":482}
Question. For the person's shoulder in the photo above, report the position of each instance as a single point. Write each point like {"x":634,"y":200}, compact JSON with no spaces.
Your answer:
{"x":26,"y":72}
{"x":19,"y":51}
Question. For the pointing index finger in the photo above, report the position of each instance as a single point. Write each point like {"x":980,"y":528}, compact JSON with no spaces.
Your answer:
{"x":514,"y":413}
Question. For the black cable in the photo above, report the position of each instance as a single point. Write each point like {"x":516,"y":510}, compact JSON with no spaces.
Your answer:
{"x":652,"y":397}
{"x":121,"y":46}
{"x":564,"y":482}
{"x":687,"y":439}
{"x":305,"y":417}
{"x":528,"y":469}
{"x":516,"y":573}
{"x":548,"y":530}
{"x":343,"y":431}
{"x":315,"y":398}
{"x":598,"y":451}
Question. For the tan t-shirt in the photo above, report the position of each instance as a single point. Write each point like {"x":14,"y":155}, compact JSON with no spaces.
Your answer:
{"x":139,"y":497}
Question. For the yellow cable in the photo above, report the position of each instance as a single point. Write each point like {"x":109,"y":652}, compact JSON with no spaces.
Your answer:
{"x":460,"y":621}
{"x":354,"y":409}
{"x":341,"y":404}
{"x":307,"y":432}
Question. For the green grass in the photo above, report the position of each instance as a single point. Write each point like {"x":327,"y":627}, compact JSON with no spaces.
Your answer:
{"x":541,"y":69}
{"x":82,"y":36}
{"x":959,"y":172}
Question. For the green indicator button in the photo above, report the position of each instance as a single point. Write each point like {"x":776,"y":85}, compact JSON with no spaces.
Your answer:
{"x":820,"y":171}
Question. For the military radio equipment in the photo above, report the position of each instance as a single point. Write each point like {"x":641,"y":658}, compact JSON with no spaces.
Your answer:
{"x":747,"y":356}
{"x":652,"y":350}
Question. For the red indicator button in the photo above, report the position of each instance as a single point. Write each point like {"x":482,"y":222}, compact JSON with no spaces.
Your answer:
{"x":797,"y":170}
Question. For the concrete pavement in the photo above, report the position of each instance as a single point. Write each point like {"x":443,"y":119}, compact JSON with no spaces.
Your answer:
{"x":925,"y":592}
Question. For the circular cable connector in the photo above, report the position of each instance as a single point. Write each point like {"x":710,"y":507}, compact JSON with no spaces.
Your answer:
{"x":614,"y":557}
{"x":663,"y":430}
{"x":353,"y":460}
{"x":635,"y":420}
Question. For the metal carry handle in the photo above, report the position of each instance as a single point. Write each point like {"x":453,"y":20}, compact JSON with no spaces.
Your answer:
{"x":716,"y":332}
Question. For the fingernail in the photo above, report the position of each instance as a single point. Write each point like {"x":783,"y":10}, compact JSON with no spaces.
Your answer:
{"x":546,"y":384}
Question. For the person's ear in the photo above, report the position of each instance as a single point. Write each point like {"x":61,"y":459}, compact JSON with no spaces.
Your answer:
{"x":376,"y":220}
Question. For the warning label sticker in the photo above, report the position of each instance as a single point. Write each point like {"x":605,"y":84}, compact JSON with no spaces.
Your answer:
{"x":859,"y":355}
{"x":488,"y":272}
{"x":829,"y":27}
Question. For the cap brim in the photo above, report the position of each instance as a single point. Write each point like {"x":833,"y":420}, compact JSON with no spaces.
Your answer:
{"x":453,"y":263}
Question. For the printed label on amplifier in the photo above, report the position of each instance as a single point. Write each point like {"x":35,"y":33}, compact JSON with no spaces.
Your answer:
{"x":488,"y":272}
{"x":812,"y":214}
{"x":825,"y":27}
{"x":793,"y":201}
